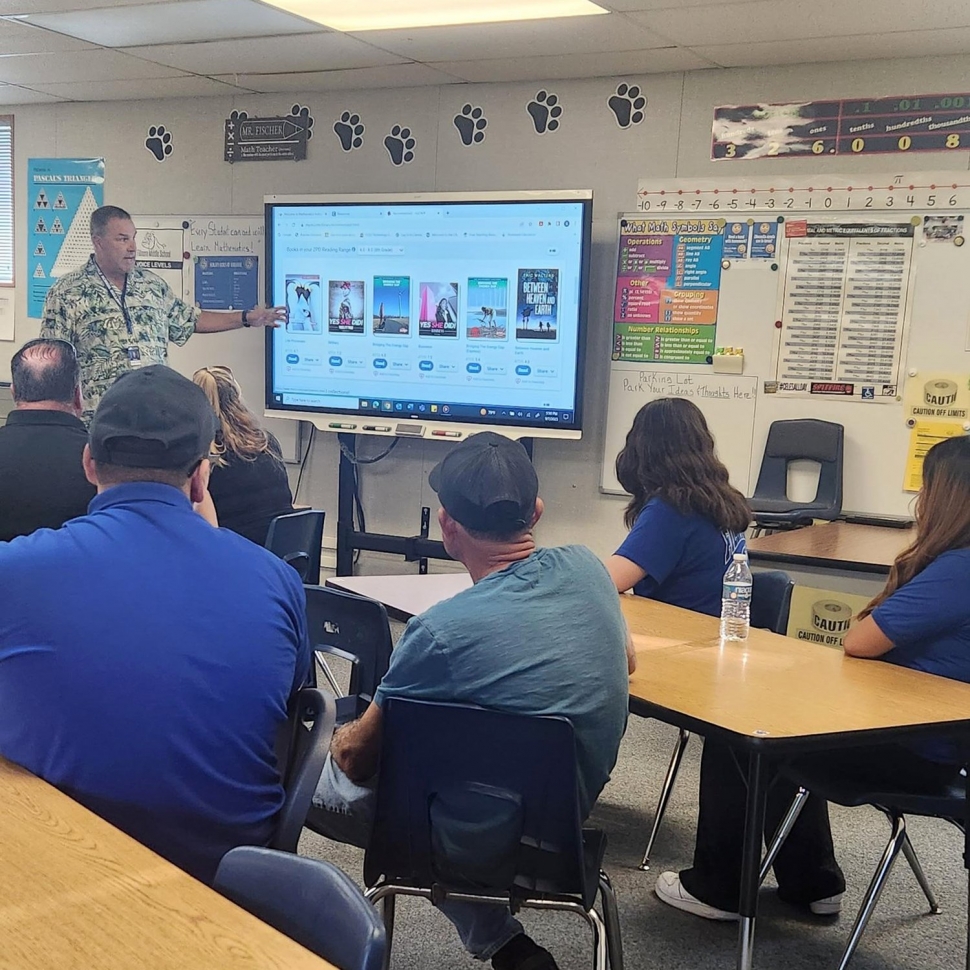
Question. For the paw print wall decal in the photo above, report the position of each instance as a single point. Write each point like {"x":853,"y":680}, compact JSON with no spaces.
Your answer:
{"x":301,"y":113}
{"x":350,"y":130}
{"x":471,"y":124}
{"x":627,"y":105}
{"x":159,"y":142}
{"x":545,"y":111}
{"x":400,"y":145}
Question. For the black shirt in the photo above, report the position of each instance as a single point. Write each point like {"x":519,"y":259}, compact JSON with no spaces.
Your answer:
{"x":42,"y":483}
{"x":249,"y":493}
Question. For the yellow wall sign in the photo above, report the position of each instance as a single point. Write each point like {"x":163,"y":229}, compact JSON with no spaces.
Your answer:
{"x":922,"y":437}
{"x":822,"y":616}
{"x":936,"y":396}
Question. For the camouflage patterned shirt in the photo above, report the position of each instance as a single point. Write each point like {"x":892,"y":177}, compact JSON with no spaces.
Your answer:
{"x":82,"y":308}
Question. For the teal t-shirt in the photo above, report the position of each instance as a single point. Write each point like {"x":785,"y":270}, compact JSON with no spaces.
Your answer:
{"x":542,"y":636}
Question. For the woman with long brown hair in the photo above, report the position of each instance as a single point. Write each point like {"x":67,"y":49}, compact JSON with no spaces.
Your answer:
{"x":686,"y":520}
{"x":686,"y":523}
{"x":922,"y":617}
{"x":248,"y":484}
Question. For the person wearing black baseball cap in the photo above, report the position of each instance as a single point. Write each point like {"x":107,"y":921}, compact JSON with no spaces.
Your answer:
{"x":153,"y":425}
{"x":518,"y":640}
{"x":169,"y":647}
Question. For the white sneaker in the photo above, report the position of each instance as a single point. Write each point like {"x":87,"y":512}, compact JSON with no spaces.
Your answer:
{"x":830,"y":906}
{"x":670,"y":891}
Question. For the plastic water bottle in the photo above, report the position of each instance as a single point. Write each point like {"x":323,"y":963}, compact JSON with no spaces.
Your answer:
{"x":736,"y":600}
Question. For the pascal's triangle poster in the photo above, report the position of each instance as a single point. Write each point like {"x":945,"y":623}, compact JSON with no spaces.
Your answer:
{"x":62,"y":244}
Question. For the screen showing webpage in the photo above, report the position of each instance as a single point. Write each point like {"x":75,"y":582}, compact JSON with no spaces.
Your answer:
{"x":463,"y":311}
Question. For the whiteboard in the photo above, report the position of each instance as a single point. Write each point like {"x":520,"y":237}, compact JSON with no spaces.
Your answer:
{"x":241,"y":350}
{"x":876,"y":435}
{"x":728,"y":403}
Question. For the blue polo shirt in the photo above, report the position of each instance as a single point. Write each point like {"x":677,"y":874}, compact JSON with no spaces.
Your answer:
{"x":928,"y":619}
{"x":684,"y":556}
{"x":146,"y":660}
{"x":928,"y":622}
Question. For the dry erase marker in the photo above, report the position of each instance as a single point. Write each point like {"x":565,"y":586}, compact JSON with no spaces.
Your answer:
{"x":376,"y":427}
{"x":342,"y":427}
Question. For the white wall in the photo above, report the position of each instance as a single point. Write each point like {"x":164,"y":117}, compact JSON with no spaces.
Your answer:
{"x":588,"y":151}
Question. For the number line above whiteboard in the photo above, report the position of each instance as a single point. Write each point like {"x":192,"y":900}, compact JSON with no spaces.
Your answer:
{"x":912,"y":190}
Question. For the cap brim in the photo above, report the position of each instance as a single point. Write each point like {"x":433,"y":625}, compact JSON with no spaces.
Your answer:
{"x":434,"y":476}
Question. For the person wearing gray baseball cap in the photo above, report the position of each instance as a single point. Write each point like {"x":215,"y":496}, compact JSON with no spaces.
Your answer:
{"x":518,"y":640}
{"x":165,"y":649}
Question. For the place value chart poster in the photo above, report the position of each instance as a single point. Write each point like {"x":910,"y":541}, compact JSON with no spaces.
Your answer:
{"x":844,"y":308}
{"x":874,"y":126}
{"x":667,"y":285}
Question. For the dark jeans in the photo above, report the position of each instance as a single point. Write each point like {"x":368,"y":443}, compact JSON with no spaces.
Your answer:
{"x":805,"y":868}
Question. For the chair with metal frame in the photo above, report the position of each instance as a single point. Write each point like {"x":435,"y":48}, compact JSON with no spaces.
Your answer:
{"x":803,"y":439}
{"x":311,"y":901}
{"x":770,"y":604}
{"x":296,"y":538}
{"x":813,"y":776}
{"x":354,"y":629}
{"x":302,"y":747}
{"x":483,"y":806}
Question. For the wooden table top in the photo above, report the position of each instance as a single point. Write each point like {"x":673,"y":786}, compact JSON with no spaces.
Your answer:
{"x":844,"y":545}
{"x":77,"y":893}
{"x":405,"y":596}
{"x":776,"y":687}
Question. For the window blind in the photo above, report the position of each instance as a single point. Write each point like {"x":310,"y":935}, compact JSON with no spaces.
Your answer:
{"x":6,"y":200}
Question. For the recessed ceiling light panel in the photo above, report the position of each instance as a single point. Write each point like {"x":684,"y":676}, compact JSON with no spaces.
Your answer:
{"x":392,"y":14}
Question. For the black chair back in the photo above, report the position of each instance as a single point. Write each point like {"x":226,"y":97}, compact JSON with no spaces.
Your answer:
{"x":771,"y":600}
{"x":481,"y":801}
{"x":296,"y":538}
{"x":804,"y":439}
{"x":355,"y":629}
{"x":301,"y":751}
{"x":311,"y":901}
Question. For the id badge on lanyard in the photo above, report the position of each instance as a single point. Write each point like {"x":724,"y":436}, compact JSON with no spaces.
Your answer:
{"x":134,"y":351}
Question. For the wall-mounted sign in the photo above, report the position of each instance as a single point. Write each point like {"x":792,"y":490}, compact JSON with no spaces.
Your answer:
{"x":913,"y":123}
{"x":266,"y":139}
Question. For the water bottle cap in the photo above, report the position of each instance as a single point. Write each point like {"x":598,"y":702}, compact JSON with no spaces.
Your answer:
{"x":740,"y":557}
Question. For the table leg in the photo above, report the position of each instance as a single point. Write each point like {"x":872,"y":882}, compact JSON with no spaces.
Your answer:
{"x":754,"y":823}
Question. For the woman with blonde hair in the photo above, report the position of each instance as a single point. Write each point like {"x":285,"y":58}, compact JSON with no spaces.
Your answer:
{"x":248,"y":483}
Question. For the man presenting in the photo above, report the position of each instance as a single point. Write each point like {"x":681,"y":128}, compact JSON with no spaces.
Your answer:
{"x":42,"y":483}
{"x":120,"y":317}
{"x":540,"y":632}
{"x":146,"y":658}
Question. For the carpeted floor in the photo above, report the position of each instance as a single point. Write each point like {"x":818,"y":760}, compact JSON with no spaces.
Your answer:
{"x":900,"y":935}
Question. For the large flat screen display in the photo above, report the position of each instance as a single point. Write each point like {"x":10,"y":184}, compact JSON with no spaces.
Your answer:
{"x":432,"y":314}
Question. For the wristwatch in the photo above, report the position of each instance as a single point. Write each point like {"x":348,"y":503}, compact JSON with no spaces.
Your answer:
{"x":245,"y":319}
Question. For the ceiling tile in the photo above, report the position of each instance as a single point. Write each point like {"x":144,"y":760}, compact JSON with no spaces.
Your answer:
{"x":16,"y":37}
{"x":272,"y":55}
{"x":11,"y":94}
{"x":771,"y":20}
{"x":10,"y":8}
{"x":187,"y":20}
{"x":93,"y":65}
{"x":859,"y":47}
{"x":575,"y":66}
{"x":625,"y":6}
{"x":139,"y":90}
{"x":397,"y":76}
{"x":564,"y":35}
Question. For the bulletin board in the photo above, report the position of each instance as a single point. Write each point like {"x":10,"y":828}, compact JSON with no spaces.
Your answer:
{"x":216,"y":262}
{"x":846,"y":293}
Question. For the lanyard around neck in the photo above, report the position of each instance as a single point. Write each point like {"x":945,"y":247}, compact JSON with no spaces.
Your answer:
{"x":114,"y":296}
